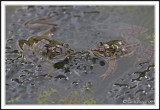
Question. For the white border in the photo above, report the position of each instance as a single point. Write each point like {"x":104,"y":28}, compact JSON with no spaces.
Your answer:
{"x":21,"y":3}
{"x":79,"y":3}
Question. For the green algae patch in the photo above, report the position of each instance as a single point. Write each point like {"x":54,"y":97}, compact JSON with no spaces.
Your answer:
{"x":46,"y":97}
{"x":150,"y":37}
{"x":52,"y":96}
{"x":90,"y":101}
{"x":13,"y":100}
{"x":77,"y":97}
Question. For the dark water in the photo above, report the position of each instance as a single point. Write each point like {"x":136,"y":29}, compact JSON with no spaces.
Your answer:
{"x":77,"y":80}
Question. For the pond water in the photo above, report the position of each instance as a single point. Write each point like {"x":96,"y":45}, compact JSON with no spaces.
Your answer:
{"x":76,"y":79}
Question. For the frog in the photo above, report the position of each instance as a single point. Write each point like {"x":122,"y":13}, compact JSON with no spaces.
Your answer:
{"x":43,"y":46}
{"x":115,"y":49}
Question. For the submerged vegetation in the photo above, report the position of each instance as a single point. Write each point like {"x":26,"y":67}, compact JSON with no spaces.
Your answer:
{"x":47,"y":96}
{"x":13,"y":100}
{"x":53,"y":96}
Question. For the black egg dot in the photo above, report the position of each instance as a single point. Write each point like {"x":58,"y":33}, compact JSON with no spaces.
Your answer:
{"x":102,"y":63}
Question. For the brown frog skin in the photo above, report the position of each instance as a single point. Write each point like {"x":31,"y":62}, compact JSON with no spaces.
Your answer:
{"x":43,"y":46}
{"x":112,"y":50}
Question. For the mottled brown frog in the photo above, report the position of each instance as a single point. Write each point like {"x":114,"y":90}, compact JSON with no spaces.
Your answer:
{"x":43,"y":46}
{"x":115,"y":49}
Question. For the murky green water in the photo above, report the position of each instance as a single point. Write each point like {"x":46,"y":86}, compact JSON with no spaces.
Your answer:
{"x":77,"y":80}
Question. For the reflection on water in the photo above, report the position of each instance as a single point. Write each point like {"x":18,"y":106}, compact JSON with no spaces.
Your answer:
{"x":76,"y":80}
